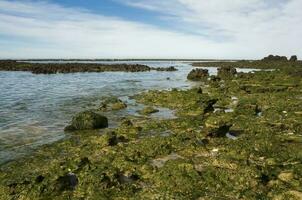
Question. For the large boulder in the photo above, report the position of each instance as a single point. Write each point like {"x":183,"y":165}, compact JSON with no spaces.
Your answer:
{"x":198,"y":75}
{"x":227,"y":72}
{"x":87,"y":120}
{"x":293,"y":58}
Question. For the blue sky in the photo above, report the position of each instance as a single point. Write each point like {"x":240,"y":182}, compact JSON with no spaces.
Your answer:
{"x":149,"y":28}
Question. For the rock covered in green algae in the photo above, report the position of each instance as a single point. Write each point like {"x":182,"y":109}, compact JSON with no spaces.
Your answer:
{"x":226,"y":72}
{"x":198,"y":75}
{"x":111,"y":104}
{"x":148,"y":110}
{"x":87,"y":120}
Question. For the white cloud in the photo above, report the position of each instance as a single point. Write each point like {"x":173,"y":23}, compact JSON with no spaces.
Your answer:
{"x":255,"y":26}
{"x":232,"y":29}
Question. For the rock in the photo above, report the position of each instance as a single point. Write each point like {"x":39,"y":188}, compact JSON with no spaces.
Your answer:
{"x":88,"y":120}
{"x":165,"y":69}
{"x":226,"y":72}
{"x":293,"y":58}
{"x":217,"y":126}
{"x":127,"y":178}
{"x":275,"y":58}
{"x":127,"y":123}
{"x":67,"y":182}
{"x":112,"y":103}
{"x":148,"y":110}
{"x":198,"y":75}
{"x":286,"y":176}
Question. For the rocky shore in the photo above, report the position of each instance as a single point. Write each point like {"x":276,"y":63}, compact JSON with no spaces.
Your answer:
{"x":236,"y":136}
{"x":269,"y":62}
{"x":54,"y":68}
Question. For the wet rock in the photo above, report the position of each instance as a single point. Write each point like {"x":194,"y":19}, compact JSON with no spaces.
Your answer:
{"x":293,"y":58}
{"x":148,"y":111}
{"x":126,"y":178}
{"x":217,"y":126}
{"x":67,"y":182}
{"x":112,"y":103}
{"x":198,"y":75}
{"x":88,"y":120}
{"x":226,"y":72}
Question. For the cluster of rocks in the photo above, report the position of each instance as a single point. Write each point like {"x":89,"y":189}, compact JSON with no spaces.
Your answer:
{"x":227,"y":72}
{"x":54,"y":68}
{"x":198,"y":75}
{"x":293,"y":58}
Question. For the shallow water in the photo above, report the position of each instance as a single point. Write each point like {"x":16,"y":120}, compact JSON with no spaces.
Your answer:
{"x":34,"y":109}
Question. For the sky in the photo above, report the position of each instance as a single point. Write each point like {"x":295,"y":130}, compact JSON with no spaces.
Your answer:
{"x":178,"y":29}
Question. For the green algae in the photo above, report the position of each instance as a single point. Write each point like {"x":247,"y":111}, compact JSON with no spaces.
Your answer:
{"x":135,"y":160}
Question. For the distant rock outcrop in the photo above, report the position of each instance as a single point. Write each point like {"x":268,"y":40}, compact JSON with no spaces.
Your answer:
{"x":54,"y":68}
{"x":275,"y":58}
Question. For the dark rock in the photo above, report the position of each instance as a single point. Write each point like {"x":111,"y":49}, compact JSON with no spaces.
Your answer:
{"x":217,"y":126}
{"x":40,"y":179}
{"x":125,"y":179}
{"x":293,"y":58}
{"x":165,"y":69}
{"x":226,"y":72}
{"x":275,"y":58}
{"x":67,"y":182}
{"x":198,"y":75}
{"x":199,"y":91}
{"x":88,"y":120}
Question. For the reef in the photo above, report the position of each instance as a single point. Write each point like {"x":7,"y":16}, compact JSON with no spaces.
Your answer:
{"x":54,"y":68}
{"x":235,"y":137}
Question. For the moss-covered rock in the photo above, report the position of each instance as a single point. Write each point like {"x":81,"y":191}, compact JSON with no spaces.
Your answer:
{"x":198,"y":75}
{"x":87,"y":120}
{"x":112,"y":104}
